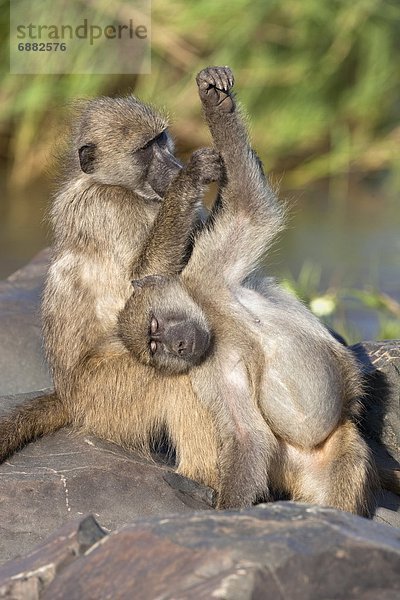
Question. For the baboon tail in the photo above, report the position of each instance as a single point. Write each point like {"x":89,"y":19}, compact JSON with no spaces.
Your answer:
{"x":34,"y":418}
{"x":389,"y":479}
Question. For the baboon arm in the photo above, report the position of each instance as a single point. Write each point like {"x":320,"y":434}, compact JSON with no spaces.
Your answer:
{"x":167,"y":244}
{"x":250,"y":216}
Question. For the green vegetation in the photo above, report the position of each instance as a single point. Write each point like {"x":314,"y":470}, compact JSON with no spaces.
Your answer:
{"x":320,"y":79}
{"x":333,"y":304}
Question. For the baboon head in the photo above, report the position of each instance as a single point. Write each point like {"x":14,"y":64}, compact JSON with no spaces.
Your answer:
{"x":123,"y":142}
{"x":167,"y":329}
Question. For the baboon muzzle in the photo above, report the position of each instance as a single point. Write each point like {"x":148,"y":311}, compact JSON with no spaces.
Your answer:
{"x":187,"y":340}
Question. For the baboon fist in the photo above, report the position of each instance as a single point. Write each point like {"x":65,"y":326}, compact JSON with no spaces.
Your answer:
{"x":215,"y":84}
{"x":206,"y":164}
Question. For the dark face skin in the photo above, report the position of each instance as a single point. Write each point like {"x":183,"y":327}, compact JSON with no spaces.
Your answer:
{"x":173,"y":336}
{"x":166,"y":331}
{"x":158,"y":162}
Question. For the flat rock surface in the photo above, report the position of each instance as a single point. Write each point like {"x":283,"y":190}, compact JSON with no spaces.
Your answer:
{"x":22,"y":365}
{"x":66,"y":475}
{"x":280,"y":550}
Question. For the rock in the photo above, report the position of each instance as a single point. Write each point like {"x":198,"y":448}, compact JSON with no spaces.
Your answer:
{"x":381,"y":422}
{"x":28,"y":577}
{"x":65,"y":475}
{"x":68,"y":474}
{"x":381,"y":414}
{"x":280,"y":550}
{"x":22,"y":365}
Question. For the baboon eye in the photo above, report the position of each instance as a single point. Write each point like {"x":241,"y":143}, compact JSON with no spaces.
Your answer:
{"x":153,"y":325}
{"x":153,"y":347}
{"x":162,"y":139}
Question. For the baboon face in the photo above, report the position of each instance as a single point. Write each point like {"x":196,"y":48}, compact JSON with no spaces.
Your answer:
{"x":124,"y":142}
{"x":168,"y":330}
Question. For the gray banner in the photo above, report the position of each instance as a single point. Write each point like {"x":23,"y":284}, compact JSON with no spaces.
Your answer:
{"x":80,"y":37}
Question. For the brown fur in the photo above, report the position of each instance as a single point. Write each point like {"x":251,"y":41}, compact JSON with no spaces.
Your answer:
{"x":104,"y":218}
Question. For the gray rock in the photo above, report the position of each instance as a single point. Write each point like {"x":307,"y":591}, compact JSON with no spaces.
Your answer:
{"x":381,"y":422}
{"x":22,"y":365}
{"x":27,"y":578}
{"x":273,"y":551}
{"x":66,"y":475}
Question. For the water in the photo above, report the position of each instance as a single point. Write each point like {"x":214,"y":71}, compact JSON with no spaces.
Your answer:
{"x":23,"y":229}
{"x":353,"y":235}
{"x":356,"y":238}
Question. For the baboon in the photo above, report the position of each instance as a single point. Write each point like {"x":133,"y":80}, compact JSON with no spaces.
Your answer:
{"x":283,"y":392}
{"x":121,"y":180}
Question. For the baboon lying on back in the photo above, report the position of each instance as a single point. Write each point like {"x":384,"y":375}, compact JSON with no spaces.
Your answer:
{"x":243,"y":406}
{"x":121,"y":180}
{"x":282,"y":390}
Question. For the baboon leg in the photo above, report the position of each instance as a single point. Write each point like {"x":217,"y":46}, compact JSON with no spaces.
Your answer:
{"x":340,"y":473}
{"x":389,"y":479}
{"x":148,"y":406}
{"x":247,"y":445}
{"x":245,"y":462}
{"x":35,"y":418}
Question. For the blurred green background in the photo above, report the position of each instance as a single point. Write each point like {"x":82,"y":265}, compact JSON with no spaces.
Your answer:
{"x":320,"y":80}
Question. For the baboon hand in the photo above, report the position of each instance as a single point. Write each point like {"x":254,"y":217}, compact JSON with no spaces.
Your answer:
{"x":206,"y":165}
{"x":215,"y":84}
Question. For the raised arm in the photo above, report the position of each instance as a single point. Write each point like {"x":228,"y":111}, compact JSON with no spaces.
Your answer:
{"x":167,"y":245}
{"x":250,"y":215}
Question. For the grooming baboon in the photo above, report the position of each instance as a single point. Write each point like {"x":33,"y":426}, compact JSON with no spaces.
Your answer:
{"x":282,"y":390}
{"x":121,"y":181}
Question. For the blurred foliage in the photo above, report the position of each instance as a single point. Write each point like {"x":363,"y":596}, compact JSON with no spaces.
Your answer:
{"x":333,"y":304}
{"x":320,"y":79}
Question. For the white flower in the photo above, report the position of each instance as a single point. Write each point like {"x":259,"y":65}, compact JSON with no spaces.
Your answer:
{"x":323,"y":306}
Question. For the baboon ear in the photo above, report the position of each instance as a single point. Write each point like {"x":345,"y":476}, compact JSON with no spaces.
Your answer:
{"x":87,"y":155}
{"x":137,"y":284}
